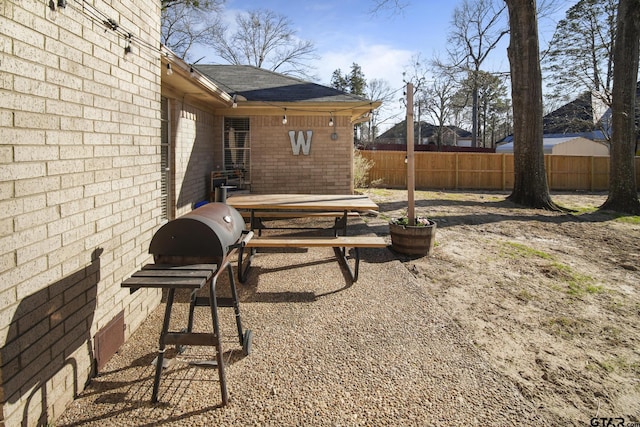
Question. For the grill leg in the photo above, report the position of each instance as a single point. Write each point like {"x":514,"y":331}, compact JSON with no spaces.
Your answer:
{"x":161,"y":345}
{"x":217,"y":337}
{"x":192,"y":306}
{"x":236,"y":304}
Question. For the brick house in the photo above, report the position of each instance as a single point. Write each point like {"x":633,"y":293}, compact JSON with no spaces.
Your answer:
{"x":99,"y":147}
{"x":267,"y":132}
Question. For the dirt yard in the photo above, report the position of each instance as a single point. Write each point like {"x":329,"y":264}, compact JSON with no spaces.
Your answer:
{"x":551,"y":299}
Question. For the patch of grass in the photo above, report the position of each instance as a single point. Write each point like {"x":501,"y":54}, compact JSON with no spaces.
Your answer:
{"x":380,"y":192}
{"x":607,"y":366}
{"x":524,"y":251}
{"x":619,"y":363}
{"x":615,"y":216}
{"x":612,"y":334}
{"x":619,"y":306}
{"x":578,"y":284}
{"x":432,"y":195}
{"x":580,"y":210}
{"x":525,"y":296}
{"x":592,"y":367}
{"x":629,"y":219}
{"x":565,"y":327}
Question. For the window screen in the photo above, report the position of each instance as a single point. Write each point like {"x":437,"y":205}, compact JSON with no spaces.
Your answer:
{"x":165,"y":165}
{"x":237,"y":142}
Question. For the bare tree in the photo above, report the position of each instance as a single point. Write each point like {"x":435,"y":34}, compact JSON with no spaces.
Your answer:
{"x":267,"y":40}
{"x":530,"y":186}
{"x":416,"y":73}
{"x":477,"y":28}
{"x":394,"y":5}
{"x":491,"y":92}
{"x":167,"y":4}
{"x":623,"y":192}
{"x":186,"y":24}
{"x":377,"y":90}
{"x":437,"y":98}
{"x":580,"y":57}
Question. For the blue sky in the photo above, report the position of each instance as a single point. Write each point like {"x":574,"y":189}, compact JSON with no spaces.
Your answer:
{"x":384,"y":44}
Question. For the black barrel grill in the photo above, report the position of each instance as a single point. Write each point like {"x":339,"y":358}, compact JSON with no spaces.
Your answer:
{"x":190,"y":252}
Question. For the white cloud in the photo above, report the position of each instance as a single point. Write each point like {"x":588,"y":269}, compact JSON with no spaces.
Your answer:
{"x":378,"y":61}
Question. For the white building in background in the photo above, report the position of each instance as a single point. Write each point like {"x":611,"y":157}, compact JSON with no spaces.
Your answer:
{"x":567,"y":146}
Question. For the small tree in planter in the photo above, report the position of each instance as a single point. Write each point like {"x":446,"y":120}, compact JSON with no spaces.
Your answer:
{"x":411,"y":235}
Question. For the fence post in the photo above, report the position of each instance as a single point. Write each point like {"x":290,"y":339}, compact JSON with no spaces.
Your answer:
{"x":591,"y":173}
{"x":457,"y":171}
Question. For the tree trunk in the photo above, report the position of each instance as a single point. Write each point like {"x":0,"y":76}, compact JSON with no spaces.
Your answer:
{"x":530,"y":186}
{"x":474,"y":119}
{"x":623,"y":192}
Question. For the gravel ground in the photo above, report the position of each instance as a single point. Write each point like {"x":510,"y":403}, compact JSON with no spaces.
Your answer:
{"x":325,"y":352}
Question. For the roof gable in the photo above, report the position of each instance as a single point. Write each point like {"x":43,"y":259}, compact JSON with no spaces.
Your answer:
{"x":257,"y":84}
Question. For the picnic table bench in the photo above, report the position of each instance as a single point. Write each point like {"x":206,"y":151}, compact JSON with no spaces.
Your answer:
{"x":257,"y":207}
{"x":256,"y":219}
{"x":338,"y":243}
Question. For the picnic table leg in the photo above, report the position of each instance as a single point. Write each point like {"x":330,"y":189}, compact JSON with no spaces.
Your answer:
{"x":341,"y":253}
{"x":161,"y":345}
{"x":243,"y":270}
{"x":256,"y":223}
{"x":340,"y":223}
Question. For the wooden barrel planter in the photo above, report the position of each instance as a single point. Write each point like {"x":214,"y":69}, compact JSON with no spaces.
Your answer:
{"x":412,"y":240}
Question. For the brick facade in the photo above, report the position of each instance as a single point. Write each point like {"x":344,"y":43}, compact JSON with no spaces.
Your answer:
{"x":327,"y":169}
{"x":79,"y":191}
{"x":194,"y":132}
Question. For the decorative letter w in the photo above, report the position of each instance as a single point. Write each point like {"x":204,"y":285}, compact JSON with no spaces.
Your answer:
{"x":297,"y":143}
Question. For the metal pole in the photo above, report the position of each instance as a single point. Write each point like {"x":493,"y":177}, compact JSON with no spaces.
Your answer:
{"x":411,"y":184}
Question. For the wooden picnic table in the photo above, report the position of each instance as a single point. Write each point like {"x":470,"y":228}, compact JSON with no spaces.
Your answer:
{"x":272,"y":206}
{"x":305,"y":202}
{"x":306,"y":205}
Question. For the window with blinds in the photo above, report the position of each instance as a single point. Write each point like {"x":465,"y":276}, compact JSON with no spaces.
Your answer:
{"x":237,"y":142}
{"x":165,"y":160}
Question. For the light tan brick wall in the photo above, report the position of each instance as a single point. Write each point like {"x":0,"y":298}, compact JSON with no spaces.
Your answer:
{"x":195,"y":133}
{"x":79,"y":191}
{"x":328,"y":169}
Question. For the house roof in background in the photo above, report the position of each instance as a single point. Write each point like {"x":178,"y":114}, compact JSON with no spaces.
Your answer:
{"x":577,"y":116}
{"x":257,"y":84}
{"x":399,"y":130}
{"x":596,"y":135}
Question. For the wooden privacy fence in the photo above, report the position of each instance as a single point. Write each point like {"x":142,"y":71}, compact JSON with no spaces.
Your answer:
{"x":486,"y":171}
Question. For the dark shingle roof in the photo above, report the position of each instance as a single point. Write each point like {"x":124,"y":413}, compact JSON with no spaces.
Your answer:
{"x":573,"y":117}
{"x":399,"y":130}
{"x":257,"y":84}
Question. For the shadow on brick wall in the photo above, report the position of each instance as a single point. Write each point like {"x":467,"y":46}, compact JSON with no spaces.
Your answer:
{"x":45,"y":332}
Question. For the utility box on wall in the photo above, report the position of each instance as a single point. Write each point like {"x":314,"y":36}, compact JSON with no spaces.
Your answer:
{"x":108,"y":340}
